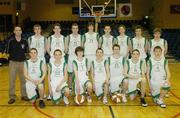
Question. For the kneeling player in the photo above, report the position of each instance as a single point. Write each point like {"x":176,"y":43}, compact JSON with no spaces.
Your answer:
{"x":117,"y":81}
{"x":135,"y":72}
{"x":158,"y":75}
{"x":100,"y":75}
{"x":57,"y":75}
{"x":34,"y":72}
{"x":82,"y":83}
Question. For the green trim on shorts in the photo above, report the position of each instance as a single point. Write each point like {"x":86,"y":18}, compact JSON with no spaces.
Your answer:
{"x":156,"y":96}
{"x":33,"y":98}
{"x":166,"y":88}
{"x":85,"y":86}
{"x":102,"y":92}
{"x":57,"y":100}
{"x":63,"y":90}
{"x":132,"y":92}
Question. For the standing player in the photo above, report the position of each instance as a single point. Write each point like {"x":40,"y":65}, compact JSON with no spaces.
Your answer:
{"x":100,"y":75}
{"x":81,"y":81}
{"x":139,"y":42}
{"x":72,"y":41}
{"x":158,"y":75}
{"x":124,"y":41}
{"x":35,"y":72}
{"x":57,"y":75}
{"x":117,"y":80}
{"x":107,"y":41}
{"x":38,"y":41}
{"x":90,"y":43}
{"x":135,"y":72}
{"x":158,"y":41}
{"x":56,"y":41}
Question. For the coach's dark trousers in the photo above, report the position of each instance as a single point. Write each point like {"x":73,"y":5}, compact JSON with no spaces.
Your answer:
{"x":14,"y":69}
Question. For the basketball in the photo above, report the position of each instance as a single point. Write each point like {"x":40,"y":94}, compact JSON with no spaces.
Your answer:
{"x":116,"y":99}
{"x":79,"y":99}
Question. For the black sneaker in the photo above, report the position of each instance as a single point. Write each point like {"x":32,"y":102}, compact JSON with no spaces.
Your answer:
{"x":143,"y":102}
{"x":25,"y":98}
{"x":37,"y":93}
{"x":41,"y":104}
{"x":138,"y":91}
{"x":11,"y":101}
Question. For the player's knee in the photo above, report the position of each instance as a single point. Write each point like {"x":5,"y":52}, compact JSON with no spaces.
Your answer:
{"x":67,"y":92}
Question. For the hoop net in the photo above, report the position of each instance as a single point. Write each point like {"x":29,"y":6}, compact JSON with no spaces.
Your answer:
{"x":98,"y":15}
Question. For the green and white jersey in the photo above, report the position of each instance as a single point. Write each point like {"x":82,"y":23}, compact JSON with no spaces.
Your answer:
{"x":73,"y":43}
{"x":107,"y":44}
{"x":123,"y":42}
{"x":99,"y":69}
{"x":116,"y":66}
{"x":135,"y":69}
{"x":81,"y":67}
{"x":39,"y":44}
{"x":56,"y":43}
{"x":91,"y":43}
{"x":157,"y":69}
{"x":140,"y":45}
{"x":57,"y":71}
{"x":154,"y":43}
{"x":34,"y":69}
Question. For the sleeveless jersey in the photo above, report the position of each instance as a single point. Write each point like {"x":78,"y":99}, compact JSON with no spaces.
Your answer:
{"x":73,"y":43}
{"x":134,"y":69}
{"x":57,"y":71}
{"x":56,"y":43}
{"x":99,"y":70}
{"x":157,"y":69}
{"x":154,"y":43}
{"x":140,"y":45}
{"x":34,"y":69}
{"x":123,"y":42}
{"x":81,"y":67}
{"x":91,"y":43}
{"x":116,"y":66}
{"x":39,"y":44}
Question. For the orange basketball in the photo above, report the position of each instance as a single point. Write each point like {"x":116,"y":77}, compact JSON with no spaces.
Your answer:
{"x":115,"y":99}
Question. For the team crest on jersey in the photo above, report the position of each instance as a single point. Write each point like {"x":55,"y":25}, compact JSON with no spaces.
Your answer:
{"x":22,"y":46}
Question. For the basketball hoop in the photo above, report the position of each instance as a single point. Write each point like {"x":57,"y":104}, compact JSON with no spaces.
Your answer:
{"x":97,"y":16}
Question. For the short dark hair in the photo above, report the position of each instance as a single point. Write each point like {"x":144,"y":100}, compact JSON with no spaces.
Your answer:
{"x":37,"y":25}
{"x":57,"y":50}
{"x":157,"y":30}
{"x":138,"y":27}
{"x":122,"y":26}
{"x":157,"y":47}
{"x":116,"y":45}
{"x":135,"y":50}
{"x":57,"y":24}
{"x":33,"y":49}
{"x":79,"y":49}
{"x":91,"y":24}
{"x":75,"y":24}
{"x":100,"y":49}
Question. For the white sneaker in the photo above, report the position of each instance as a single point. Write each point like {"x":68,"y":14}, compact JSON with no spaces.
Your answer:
{"x":161,"y":103}
{"x":105,"y":101}
{"x":66,"y":101}
{"x":49,"y":97}
{"x":124,"y":98}
{"x":89,"y":100}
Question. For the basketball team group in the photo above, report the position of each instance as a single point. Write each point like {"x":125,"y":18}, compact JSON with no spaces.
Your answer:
{"x":120,"y":68}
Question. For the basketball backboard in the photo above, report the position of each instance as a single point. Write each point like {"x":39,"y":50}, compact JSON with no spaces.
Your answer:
{"x":87,"y":8}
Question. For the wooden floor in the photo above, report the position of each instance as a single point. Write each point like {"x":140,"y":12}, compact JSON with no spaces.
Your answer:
{"x":131,"y":109}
